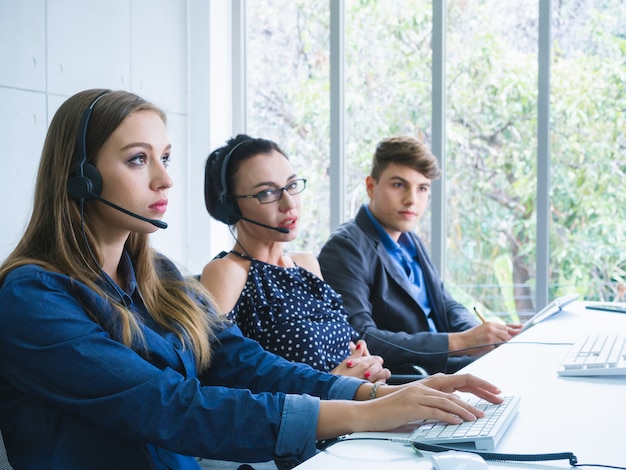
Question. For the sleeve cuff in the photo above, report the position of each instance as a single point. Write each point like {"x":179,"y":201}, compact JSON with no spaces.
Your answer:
{"x":298,"y":425}
{"x":296,"y":438}
{"x":344,"y":388}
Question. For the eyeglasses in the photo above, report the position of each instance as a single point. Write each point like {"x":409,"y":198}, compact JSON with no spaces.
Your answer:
{"x":273,"y":195}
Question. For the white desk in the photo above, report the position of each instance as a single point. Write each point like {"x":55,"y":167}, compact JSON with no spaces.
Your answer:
{"x":586,"y":416}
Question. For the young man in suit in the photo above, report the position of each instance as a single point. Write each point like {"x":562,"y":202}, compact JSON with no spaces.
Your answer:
{"x":390,"y":288}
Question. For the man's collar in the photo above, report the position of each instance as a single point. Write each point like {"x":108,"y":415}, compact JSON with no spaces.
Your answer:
{"x":404,"y":242}
{"x":389,"y":243}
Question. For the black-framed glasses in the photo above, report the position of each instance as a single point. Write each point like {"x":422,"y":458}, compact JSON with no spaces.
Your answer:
{"x":273,"y":195}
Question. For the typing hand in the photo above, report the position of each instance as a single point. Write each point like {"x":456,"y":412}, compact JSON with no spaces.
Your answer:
{"x":399,"y":405}
{"x":463,"y":383}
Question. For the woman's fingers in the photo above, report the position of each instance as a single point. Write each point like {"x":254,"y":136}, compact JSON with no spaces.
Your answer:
{"x":464,"y":383}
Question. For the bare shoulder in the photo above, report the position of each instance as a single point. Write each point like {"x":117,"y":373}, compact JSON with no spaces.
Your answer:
{"x":225,"y":278}
{"x":307,"y":261}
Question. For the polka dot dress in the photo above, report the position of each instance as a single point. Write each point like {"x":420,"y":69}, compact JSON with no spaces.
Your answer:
{"x":295,"y":314}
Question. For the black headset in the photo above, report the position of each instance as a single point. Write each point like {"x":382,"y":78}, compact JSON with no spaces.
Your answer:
{"x":86,"y":181}
{"x":226,"y":208}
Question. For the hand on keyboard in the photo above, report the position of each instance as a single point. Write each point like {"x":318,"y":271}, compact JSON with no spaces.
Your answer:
{"x":484,"y":433}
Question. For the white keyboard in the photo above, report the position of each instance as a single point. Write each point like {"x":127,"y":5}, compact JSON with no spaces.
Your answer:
{"x":482,"y":434}
{"x":596,"y":354}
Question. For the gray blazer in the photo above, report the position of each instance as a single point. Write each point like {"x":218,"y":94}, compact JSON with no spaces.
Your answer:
{"x":377,"y":295}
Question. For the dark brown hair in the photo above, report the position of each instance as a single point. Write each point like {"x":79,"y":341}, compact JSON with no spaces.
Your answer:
{"x":404,"y":150}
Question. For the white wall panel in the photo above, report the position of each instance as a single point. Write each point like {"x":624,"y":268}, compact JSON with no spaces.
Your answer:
{"x":158,"y":39}
{"x":51,"y":49}
{"x":221,"y":99}
{"x":88,"y":45}
{"x":22,"y":132}
{"x":23,"y":44}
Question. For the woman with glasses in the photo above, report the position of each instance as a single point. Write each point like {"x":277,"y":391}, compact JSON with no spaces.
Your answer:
{"x":111,"y":359}
{"x":276,"y":298}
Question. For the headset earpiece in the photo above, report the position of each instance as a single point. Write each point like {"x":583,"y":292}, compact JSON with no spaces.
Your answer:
{"x":87,"y":185}
{"x":226,"y":208}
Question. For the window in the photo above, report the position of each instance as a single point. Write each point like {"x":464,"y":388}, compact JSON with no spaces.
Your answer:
{"x":491,"y":128}
{"x":588,"y":235}
{"x":288,"y":102}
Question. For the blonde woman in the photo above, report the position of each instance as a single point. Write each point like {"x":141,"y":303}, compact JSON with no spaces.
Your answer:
{"x":111,"y":359}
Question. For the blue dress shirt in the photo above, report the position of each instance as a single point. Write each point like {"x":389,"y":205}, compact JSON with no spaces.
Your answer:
{"x":74,"y":397}
{"x":404,"y":253}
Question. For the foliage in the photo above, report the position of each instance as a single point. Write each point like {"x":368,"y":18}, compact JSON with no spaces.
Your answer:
{"x":491,"y":116}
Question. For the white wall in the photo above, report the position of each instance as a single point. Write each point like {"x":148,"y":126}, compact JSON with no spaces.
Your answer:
{"x":159,"y":49}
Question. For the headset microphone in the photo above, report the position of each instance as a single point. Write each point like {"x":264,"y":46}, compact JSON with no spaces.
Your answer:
{"x":278,"y":229}
{"x":226,"y":209}
{"x":156,"y":222}
{"x":85,"y":184}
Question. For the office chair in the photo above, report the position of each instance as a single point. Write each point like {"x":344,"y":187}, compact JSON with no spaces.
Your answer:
{"x":404,"y":373}
{"x":399,"y":379}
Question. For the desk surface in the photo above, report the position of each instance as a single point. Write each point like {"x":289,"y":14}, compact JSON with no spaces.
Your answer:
{"x":586,"y":416}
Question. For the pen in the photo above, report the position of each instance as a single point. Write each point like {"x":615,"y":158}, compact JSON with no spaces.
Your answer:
{"x":480,"y":315}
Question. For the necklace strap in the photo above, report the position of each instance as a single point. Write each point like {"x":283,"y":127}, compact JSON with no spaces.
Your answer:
{"x":241,"y":255}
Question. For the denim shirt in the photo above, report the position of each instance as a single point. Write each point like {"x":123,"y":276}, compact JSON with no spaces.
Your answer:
{"x":74,"y":397}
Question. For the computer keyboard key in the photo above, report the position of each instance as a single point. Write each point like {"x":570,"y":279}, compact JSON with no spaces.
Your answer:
{"x":483,"y":433}
{"x":596,"y":354}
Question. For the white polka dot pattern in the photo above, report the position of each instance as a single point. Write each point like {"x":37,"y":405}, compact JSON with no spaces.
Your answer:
{"x":293,"y":313}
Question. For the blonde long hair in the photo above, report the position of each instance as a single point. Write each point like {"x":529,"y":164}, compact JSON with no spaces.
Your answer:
{"x":54,"y":236}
